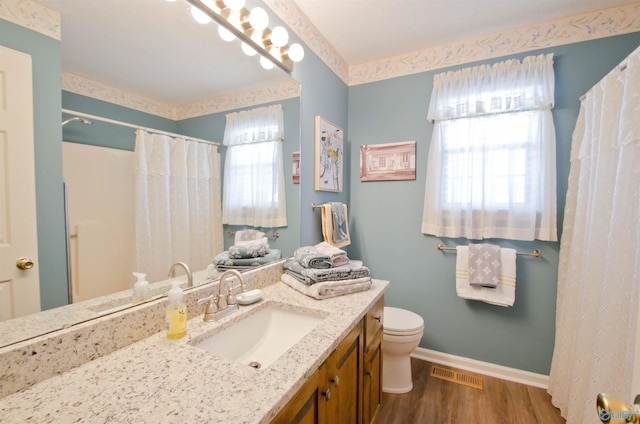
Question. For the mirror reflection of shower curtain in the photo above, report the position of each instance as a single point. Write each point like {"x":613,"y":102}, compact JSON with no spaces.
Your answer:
{"x":178,"y":207}
{"x":599,"y":269}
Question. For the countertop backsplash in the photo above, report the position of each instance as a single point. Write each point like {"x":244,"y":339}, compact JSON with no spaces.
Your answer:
{"x":28,"y":362}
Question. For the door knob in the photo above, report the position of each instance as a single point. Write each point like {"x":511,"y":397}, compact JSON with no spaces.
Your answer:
{"x":24,"y":263}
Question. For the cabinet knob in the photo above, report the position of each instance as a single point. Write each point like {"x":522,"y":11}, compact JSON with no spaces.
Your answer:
{"x":327,"y":394}
{"x":335,"y":380}
{"x":378,"y":318}
{"x":369,"y":373}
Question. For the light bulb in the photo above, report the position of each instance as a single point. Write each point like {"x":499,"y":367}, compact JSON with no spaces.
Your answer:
{"x":279,"y":36}
{"x":200,"y":16}
{"x":258,"y":18}
{"x":248,"y":50}
{"x":225,"y":34}
{"x":234,"y":4}
{"x":295,"y":52}
{"x":266,"y":63}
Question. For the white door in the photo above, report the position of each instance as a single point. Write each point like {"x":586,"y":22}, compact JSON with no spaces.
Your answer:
{"x":19,"y":288}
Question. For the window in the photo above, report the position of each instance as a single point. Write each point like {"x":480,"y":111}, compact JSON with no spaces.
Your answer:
{"x":253,"y":169}
{"x":491,"y":166}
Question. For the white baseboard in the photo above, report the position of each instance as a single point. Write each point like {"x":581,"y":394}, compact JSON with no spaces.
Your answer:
{"x":484,"y":368}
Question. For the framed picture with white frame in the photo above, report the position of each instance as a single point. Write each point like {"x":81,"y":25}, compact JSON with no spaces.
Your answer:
{"x":329,"y":167}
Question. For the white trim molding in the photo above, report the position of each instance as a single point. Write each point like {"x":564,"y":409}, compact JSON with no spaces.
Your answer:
{"x":573,"y":29}
{"x":484,"y":368}
{"x":32,"y":15}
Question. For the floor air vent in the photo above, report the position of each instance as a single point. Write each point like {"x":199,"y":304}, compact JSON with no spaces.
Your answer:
{"x":456,"y":377}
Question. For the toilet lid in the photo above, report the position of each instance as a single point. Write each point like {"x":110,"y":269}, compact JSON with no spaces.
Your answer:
{"x":401,"y":320}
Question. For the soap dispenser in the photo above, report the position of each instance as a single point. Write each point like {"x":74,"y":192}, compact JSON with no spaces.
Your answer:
{"x":176,"y":312}
{"x":141,"y":289}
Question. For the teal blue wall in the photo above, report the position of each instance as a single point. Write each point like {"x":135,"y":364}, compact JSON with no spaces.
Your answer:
{"x":385,"y":219}
{"x":212,"y":127}
{"x":326,"y":95}
{"x":46,"y":62}
{"x":105,"y":134}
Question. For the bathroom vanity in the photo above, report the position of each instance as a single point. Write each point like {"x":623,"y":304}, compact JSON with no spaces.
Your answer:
{"x":347,"y":388}
{"x":333,"y":372}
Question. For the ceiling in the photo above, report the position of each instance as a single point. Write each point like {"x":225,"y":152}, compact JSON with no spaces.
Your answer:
{"x":155,"y":49}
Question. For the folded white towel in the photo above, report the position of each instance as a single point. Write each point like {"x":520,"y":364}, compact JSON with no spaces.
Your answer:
{"x":505,"y":292}
{"x":336,"y":255}
{"x":327,"y":289}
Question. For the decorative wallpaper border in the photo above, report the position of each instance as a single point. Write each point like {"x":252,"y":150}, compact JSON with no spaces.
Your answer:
{"x":588,"y":26}
{"x":567,"y":30}
{"x":32,"y":15}
{"x":97,"y":90}
{"x":280,"y":91}
{"x":100,"y":91}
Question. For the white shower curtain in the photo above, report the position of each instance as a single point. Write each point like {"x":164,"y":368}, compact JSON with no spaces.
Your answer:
{"x":178,"y":207}
{"x":599,"y":268}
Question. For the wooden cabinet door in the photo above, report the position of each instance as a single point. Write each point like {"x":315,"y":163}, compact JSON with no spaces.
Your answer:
{"x":344,"y":380}
{"x":307,"y":406}
{"x":372,"y":382}
{"x":373,"y":322}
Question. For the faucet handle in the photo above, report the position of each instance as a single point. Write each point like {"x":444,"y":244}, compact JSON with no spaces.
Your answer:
{"x":211,"y":308}
{"x":231,"y":298}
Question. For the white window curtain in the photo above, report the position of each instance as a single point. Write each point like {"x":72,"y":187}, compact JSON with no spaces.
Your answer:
{"x":254,"y":191}
{"x":491,"y":170}
{"x":178,"y":211}
{"x":596,"y":346}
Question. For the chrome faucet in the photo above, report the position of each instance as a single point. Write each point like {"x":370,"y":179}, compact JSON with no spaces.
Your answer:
{"x":230,"y":299}
{"x":172,"y":272}
{"x":220,"y":306}
{"x":234,"y":273}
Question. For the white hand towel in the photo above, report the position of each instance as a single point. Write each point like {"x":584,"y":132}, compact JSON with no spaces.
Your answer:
{"x":505,"y":292}
{"x":336,"y":255}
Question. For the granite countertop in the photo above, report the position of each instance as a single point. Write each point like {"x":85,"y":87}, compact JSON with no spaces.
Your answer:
{"x":26,"y":327}
{"x":165,"y":381}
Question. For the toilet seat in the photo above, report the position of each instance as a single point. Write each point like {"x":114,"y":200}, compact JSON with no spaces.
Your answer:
{"x":401,"y":322}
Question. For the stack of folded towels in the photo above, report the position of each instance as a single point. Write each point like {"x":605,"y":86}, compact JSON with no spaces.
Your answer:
{"x":250,"y":248}
{"x":323,"y":271}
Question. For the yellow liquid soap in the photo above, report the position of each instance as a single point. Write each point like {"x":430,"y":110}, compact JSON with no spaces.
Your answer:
{"x":176,"y":320}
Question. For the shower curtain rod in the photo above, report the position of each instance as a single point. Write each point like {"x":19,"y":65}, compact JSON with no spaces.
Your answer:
{"x":137,"y":127}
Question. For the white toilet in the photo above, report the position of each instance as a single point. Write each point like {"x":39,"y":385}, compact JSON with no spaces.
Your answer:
{"x":401,"y":335}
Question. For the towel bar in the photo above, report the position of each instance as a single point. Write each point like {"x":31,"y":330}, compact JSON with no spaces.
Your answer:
{"x":274,"y":235}
{"x":314,"y":206}
{"x":536,"y":252}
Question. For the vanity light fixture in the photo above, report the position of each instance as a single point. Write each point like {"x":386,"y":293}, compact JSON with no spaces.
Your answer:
{"x":252,"y":29}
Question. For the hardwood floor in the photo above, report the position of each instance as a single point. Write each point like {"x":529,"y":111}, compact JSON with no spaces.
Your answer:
{"x":436,"y":401}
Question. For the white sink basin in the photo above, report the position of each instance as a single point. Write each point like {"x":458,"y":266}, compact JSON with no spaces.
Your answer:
{"x":262,"y":337}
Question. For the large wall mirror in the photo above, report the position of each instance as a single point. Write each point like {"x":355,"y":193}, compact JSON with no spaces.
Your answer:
{"x":155,"y":51}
